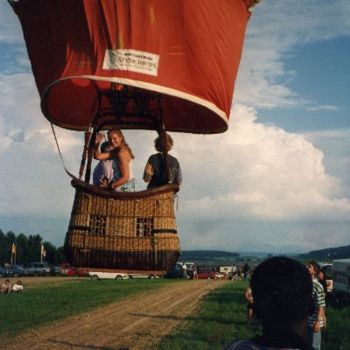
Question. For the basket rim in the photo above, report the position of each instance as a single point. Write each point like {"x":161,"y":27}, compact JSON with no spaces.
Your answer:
{"x":88,"y":188}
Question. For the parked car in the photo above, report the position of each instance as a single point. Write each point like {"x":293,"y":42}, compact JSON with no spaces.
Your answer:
{"x":220,"y":276}
{"x":16,"y":271}
{"x":55,"y":270}
{"x":175,"y":271}
{"x":341,"y":279}
{"x":230,"y":272}
{"x":98,"y":275}
{"x":77,"y":272}
{"x":38,"y":268}
{"x":143,"y":276}
{"x":4,"y":272}
{"x":65,"y":267}
{"x":210,"y":275}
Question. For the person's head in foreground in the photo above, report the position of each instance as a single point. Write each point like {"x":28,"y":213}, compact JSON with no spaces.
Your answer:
{"x":282,"y":294}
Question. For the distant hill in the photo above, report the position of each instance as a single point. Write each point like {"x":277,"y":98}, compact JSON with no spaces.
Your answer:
{"x":328,"y":253}
{"x":209,"y":257}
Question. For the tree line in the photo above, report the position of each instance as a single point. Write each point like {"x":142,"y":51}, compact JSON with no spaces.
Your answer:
{"x":28,"y":249}
{"x":328,"y":254}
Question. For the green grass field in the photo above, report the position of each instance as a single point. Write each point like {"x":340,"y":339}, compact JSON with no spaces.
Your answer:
{"x":337,"y":332}
{"x":221,"y":316}
{"x":43,"y":304}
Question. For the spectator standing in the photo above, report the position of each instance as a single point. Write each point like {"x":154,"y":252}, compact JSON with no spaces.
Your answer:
{"x":184,"y":271}
{"x":318,"y":318}
{"x":282,"y":294}
{"x":250,"y":311}
{"x":245,"y":270}
{"x":195,"y":272}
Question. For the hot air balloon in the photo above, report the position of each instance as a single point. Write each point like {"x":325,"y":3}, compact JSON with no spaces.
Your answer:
{"x":131,"y":64}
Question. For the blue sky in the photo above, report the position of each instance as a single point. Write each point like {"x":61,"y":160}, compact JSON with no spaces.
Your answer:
{"x":320,"y":70}
{"x":277,"y":180}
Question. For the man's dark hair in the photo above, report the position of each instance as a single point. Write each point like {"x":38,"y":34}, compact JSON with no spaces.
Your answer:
{"x":158,"y":143}
{"x":282,"y":291}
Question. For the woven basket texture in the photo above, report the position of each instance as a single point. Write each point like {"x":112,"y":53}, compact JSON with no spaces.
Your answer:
{"x":137,"y":233}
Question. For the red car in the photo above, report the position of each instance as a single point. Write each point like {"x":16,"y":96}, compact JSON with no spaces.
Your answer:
{"x":71,"y":271}
{"x":210,"y":275}
{"x":78,"y":272}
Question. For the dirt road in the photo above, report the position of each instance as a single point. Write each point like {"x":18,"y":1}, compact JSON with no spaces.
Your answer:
{"x":136,"y":323}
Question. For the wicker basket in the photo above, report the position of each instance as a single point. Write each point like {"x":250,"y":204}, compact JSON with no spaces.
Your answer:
{"x":123,"y":230}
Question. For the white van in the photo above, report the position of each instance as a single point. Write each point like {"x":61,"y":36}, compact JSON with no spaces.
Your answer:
{"x":341,"y":279}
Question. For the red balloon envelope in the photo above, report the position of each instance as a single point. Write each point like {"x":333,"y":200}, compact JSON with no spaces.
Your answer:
{"x":184,"y":52}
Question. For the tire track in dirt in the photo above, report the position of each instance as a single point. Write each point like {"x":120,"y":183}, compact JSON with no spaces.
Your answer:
{"x":136,"y":323}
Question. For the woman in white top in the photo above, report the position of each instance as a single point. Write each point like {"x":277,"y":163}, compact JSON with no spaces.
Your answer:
{"x":122,"y":157}
{"x":18,"y":286}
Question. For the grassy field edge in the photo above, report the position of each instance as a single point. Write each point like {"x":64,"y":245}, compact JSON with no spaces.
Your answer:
{"x":221,"y":318}
{"x":44,"y":303}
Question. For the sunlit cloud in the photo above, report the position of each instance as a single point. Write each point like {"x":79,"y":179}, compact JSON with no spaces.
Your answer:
{"x":262,"y":172}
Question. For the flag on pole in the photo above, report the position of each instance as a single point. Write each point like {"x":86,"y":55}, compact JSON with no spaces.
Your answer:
{"x":13,"y":253}
{"x":43,"y":251}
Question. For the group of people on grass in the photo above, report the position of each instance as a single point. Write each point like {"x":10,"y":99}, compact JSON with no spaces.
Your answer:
{"x":8,"y":288}
{"x":114,"y":170}
{"x":288,"y":299}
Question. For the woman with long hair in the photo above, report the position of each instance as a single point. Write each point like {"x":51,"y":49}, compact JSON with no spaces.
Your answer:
{"x":122,"y":157}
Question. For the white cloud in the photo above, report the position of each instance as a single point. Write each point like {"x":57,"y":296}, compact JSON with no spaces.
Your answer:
{"x":259,"y":171}
{"x":322,"y":108}
{"x":252,"y":171}
{"x":336,"y":144}
{"x":32,"y":179}
{"x":329,"y":133}
{"x":275,"y":29}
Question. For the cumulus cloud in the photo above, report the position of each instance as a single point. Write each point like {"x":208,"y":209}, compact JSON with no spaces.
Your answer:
{"x":275,"y":29}
{"x":336,"y":144}
{"x":261,"y":172}
{"x":32,"y":179}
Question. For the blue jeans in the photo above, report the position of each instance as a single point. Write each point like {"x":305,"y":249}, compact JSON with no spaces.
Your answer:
{"x":314,"y":338}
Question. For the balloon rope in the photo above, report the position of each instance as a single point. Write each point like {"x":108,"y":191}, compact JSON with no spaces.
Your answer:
{"x":87,"y":139}
{"x":60,"y":154}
